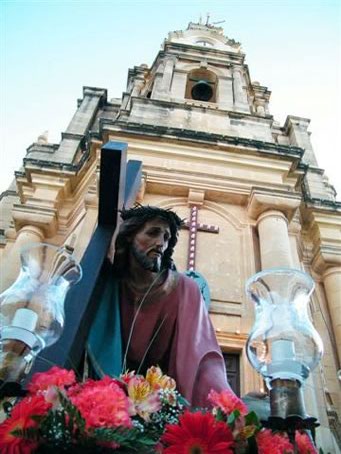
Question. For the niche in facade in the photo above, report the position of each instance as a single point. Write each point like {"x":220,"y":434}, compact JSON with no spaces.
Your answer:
{"x":201,"y":85}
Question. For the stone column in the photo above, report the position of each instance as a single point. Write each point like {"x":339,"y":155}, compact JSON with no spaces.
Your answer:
{"x":162,"y":85}
{"x":157,"y":81}
{"x":240,"y":98}
{"x":297,"y":130}
{"x":179,"y":84}
{"x":274,"y":240}
{"x":225,"y":92}
{"x":137,"y":87}
{"x":136,"y":90}
{"x":89,"y":224}
{"x":168,"y":74}
{"x":11,"y":260}
{"x":332,"y":285}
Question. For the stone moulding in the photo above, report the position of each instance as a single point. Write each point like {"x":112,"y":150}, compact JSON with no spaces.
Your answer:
{"x":147,"y":129}
{"x":56,"y":165}
{"x":262,"y":200}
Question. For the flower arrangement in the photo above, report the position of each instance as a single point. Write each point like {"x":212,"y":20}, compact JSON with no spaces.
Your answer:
{"x":135,"y":413}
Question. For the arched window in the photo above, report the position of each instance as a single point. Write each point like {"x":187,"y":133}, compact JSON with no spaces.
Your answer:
{"x":201,"y":85}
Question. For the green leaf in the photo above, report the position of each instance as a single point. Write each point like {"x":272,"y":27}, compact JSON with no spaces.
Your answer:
{"x":220,"y":415}
{"x":128,"y":438}
{"x":183,"y":401}
{"x":63,"y":427}
{"x":232,"y":417}
{"x":252,"y":419}
{"x":31,"y":433}
{"x":38,"y":418}
{"x":75,"y":418}
{"x":252,"y":445}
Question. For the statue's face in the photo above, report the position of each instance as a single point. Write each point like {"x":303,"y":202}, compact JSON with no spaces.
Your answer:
{"x":150,"y":243}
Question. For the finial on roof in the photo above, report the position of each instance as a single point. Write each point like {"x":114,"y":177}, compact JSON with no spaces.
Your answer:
{"x":43,"y":138}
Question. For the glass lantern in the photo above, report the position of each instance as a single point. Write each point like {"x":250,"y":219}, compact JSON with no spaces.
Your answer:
{"x":32,"y":309}
{"x":283,"y":345}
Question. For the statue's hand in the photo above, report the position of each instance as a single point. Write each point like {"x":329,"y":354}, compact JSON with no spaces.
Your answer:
{"x":259,"y":403}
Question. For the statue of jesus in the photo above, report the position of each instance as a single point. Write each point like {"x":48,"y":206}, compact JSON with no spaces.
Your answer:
{"x":150,"y":314}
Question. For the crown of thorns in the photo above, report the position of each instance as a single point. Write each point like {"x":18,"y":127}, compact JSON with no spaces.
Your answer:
{"x":149,"y":212}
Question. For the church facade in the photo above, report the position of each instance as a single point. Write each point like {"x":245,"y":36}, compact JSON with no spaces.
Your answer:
{"x":250,"y":188}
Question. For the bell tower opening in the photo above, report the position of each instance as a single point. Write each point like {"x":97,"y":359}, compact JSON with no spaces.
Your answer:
{"x":201,"y":85}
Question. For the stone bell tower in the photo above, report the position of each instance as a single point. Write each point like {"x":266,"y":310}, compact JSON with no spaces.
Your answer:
{"x":250,"y":188}
{"x":199,"y":70}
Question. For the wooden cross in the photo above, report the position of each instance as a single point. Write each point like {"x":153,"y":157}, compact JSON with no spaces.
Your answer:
{"x":194,"y":226}
{"x":119,"y":184}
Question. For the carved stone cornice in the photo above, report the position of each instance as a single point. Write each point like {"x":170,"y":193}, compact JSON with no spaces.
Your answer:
{"x":138,"y":128}
{"x":262,"y":200}
{"x":44,"y":219}
{"x":326,"y":257}
{"x":238,"y":341}
{"x":324,"y":229}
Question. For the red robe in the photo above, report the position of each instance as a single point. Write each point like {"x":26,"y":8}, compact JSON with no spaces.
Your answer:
{"x":184,"y":344}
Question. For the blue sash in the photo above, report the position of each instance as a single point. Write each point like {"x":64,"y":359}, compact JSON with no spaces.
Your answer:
{"x":104,"y":345}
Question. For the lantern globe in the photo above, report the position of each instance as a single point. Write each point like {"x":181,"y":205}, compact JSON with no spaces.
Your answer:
{"x":283,"y":343}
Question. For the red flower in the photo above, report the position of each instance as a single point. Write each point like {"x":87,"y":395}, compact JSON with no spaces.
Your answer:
{"x":20,"y":419}
{"x":227,"y":401}
{"x":273,"y":443}
{"x":198,"y":433}
{"x":55,"y":376}
{"x":304,"y":444}
{"x":102,"y":403}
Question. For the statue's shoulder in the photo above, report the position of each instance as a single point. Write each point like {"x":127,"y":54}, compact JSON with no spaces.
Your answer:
{"x":199,"y":280}
{"x":185,"y":280}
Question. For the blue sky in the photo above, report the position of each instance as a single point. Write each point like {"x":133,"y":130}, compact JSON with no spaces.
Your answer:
{"x":49,"y":50}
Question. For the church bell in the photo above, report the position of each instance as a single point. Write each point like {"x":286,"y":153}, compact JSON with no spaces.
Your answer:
{"x":202,"y":91}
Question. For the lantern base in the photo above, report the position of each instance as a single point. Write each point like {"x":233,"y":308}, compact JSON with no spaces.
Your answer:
{"x":16,"y":359}
{"x":291,"y":424}
{"x":286,"y":399}
{"x":11,"y":389}
{"x":288,"y":412}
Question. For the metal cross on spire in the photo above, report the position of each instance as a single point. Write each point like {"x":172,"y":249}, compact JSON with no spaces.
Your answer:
{"x":208,"y":15}
{"x":212,"y":24}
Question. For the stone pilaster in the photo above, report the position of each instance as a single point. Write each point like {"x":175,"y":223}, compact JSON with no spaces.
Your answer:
{"x":168,"y":74}
{"x":261,"y":99}
{"x":136,"y":90}
{"x":11,"y":259}
{"x":316,"y":184}
{"x":163,"y":79}
{"x":332,"y":284}
{"x":323,"y":227}
{"x":88,"y":223}
{"x":73,"y":138}
{"x":240,"y":96}
{"x":297,"y":130}
{"x":225,"y":92}
{"x":138,"y":84}
{"x":157,"y":87}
